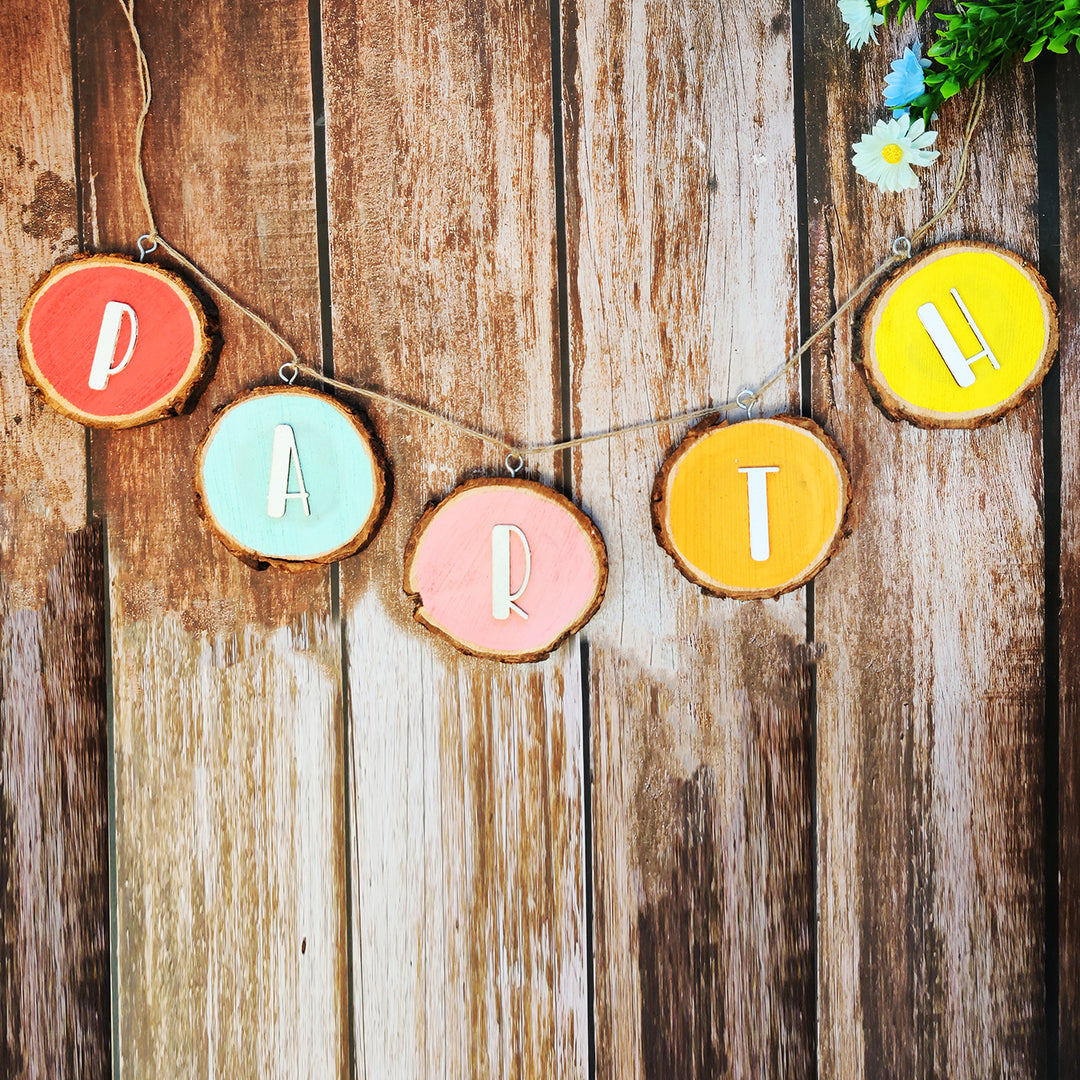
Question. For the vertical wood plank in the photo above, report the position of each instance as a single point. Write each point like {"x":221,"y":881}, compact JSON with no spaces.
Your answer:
{"x":930,"y":621}
{"x":1068,"y":110}
{"x":54,"y":837}
{"x":465,"y":776}
{"x":230,"y":859}
{"x":54,"y":860}
{"x":42,"y":455}
{"x":679,"y":135}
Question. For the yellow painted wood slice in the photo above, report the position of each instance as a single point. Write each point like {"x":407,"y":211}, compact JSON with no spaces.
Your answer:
{"x":958,"y":337}
{"x":753,"y":509}
{"x":114,"y":343}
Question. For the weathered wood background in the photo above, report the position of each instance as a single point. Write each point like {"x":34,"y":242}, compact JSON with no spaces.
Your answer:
{"x":256,"y":824}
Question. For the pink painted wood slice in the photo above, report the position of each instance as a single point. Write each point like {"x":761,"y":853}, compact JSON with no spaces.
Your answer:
{"x":113,"y":343}
{"x":505,"y":569}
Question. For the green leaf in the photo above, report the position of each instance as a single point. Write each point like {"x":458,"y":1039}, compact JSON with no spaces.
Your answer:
{"x":973,"y":37}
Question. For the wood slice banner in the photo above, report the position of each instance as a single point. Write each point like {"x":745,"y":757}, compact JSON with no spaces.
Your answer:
{"x":113,"y":343}
{"x":958,"y":337}
{"x":505,"y":569}
{"x":752,"y":509}
{"x":289,"y":477}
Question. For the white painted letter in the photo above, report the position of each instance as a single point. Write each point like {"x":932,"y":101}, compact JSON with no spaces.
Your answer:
{"x":108,"y":336}
{"x":502,"y":596}
{"x":951,"y":353}
{"x":281,"y":460}
{"x":756,"y":493}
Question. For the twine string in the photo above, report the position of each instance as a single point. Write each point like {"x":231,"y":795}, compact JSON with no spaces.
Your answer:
{"x":746,"y":399}
{"x":147,"y":88}
{"x":974,"y":116}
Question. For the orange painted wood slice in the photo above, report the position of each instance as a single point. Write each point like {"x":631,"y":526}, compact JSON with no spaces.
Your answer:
{"x":113,"y":343}
{"x":958,"y":337}
{"x":289,"y":477}
{"x":505,"y":569}
{"x":753,"y":509}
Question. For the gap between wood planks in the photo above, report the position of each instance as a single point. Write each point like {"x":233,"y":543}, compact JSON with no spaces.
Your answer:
{"x":95,"y":510}
{"x":354,"y":963}
{"x":578,"y":641}
{"x":1046,"y":136}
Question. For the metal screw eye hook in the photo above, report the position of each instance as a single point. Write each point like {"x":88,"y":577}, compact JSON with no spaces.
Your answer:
{"x":749,"y":402}
{"x":514,"y":464}
{"x":901,"y":247}
{"x":143,"y":252}
{"x":290,"y":379}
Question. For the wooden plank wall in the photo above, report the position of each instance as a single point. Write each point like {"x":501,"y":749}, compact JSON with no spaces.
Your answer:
{"x":231,"y":952}
{"x":930,"y":686}
{"x":465,"y":778}
{"x":683,"y":289}
{"x":1068,"y":744}
{"x":706,"y":838}
{"x":54,"y":873}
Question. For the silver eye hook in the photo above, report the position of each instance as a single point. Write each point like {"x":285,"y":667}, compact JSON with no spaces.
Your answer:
{"x":143,"y":252}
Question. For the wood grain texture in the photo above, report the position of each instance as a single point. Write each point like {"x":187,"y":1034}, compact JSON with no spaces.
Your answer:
{"x":681,"y":236}
{"x":1068,"y":110}
{"x":466,"y":848}
{"x":42,"y":455}
{"x":229,"y":835}
{"x":702,"y":916}
{"x":54,"y":865}
{"x":465,"y":777}
{"x":54,"y":836}
{"x":231,"y":945}
{"x":930,"y":620}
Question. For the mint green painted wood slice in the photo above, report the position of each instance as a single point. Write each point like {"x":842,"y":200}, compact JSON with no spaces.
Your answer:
{"x":291,"y":478}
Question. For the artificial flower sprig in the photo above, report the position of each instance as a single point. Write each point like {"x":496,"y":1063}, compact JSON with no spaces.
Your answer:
{"x":977,"y":38}
{"x":982,"y":35}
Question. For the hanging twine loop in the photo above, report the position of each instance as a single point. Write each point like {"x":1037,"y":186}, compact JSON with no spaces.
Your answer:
{"x":746,"y":399}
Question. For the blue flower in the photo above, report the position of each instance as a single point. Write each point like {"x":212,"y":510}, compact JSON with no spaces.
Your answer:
{"x":907,"y":81}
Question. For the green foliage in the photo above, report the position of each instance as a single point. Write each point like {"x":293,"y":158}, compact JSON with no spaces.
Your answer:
{"x":980,"y":36}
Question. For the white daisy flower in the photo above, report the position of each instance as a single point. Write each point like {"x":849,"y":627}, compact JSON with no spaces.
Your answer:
{"x":861,"y":19}
{"x":886,"y":155}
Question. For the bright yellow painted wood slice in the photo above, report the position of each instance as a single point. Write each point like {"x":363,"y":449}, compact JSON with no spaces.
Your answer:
{"x":751,"y":509}
{"x":959,"y":337}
